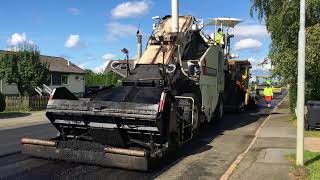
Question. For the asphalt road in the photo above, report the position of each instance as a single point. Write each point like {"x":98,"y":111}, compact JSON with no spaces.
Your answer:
{"x":207,"y":156}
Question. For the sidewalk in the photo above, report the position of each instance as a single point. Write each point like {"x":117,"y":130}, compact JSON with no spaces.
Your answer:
{"x":17,"y":120}
{"x":267,"y":157}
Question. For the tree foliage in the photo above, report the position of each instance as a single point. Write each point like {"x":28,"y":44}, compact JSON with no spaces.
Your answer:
{"x":100,"y":79}
{"x":2,"y":103}
{"x":313,"y":62}
{"x":24,"y":68}
{"x":282,"y":21}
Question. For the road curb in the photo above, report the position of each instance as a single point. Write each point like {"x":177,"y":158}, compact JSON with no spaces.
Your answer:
{"x":240,"y":157}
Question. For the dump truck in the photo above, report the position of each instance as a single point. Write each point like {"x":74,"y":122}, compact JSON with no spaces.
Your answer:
{"x":176,"y":85}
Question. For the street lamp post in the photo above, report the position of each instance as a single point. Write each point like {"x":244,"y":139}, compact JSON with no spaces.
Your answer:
{"x":301,"y":85}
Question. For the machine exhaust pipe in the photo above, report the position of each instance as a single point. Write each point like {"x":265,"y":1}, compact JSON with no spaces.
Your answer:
{"x":38,"y":142}
{"x":175,"y":16}
{"x":128,"y":152}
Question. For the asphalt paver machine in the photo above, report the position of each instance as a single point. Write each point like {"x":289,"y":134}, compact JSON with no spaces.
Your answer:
{"x":176,"y":85}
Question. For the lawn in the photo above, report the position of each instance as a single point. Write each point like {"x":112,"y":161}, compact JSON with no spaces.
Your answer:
{"x":312,"y":133}
{"x":311,"y":171}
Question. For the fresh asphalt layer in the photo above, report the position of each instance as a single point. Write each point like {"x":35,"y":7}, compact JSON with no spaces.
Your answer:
{"x":10,"y":139}
{"x":208,"y":156}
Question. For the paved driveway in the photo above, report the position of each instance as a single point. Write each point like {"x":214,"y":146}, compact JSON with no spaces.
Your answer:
{"x":21,"y":119}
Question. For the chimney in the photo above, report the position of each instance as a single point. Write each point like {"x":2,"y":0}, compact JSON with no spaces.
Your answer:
{"x":175,"y":16}
{"x":139,"y":46}
{"x":69,"y":63}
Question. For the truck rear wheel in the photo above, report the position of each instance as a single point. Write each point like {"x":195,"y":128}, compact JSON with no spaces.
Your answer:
{"x":219,"y":111}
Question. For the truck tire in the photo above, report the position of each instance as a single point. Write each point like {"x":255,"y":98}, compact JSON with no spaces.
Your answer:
{"x":196,"y":112}
{"x":219,"y":112}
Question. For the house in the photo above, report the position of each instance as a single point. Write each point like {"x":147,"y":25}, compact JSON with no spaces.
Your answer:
{"x":62,"y":74}
{"x":121,"y":71}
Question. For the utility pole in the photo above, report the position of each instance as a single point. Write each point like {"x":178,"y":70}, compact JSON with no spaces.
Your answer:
{"x":301,"y":85}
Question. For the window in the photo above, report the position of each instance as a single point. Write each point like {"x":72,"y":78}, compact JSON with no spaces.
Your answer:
{"x":64,"y":80}
{"x":56,"y":79}
{"x":59,"y":79}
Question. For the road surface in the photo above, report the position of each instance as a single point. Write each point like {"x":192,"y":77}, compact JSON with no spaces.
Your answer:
{"x":208,"y":156}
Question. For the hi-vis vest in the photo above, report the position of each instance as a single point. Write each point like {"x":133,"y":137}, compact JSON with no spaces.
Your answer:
{"x":219,"y":38}
{"x":268,"y":91}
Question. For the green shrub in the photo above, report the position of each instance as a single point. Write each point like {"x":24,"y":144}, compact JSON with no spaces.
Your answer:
{"x":100,"y":79}
{"x":2,"y":103}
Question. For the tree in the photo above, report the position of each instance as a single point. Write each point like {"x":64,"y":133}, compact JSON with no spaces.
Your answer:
{"x":24,"y":68}
{"x":282,"y":21}
{"x":100,"y":79}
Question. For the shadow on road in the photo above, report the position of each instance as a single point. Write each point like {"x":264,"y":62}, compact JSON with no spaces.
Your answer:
{"x":201,"y":144}
{"x":9,"y":115}
{"x":230,"y":122}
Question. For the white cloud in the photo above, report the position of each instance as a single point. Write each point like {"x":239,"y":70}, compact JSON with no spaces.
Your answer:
{"x":109,"y":56}
{"x":74,"y":11}
{"x":117,"y":31}
{"x":259,"y":69}
{"x":74,"y":42}
{"x":248,"y":44}
{"x":90,"y":58}
{"x":252,"y":60}
{"x":130,"y":9}
{"x":257,"y":31}
{"x":101,"y":68}
{"x":17,"y":39}
{"x":83,"y":65}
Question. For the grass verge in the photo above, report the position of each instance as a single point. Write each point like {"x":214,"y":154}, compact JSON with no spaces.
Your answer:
{"x":306,"y":133}
{"x":311,"y":170}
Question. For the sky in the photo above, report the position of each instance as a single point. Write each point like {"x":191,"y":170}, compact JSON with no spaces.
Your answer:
{"x":91,"y":33}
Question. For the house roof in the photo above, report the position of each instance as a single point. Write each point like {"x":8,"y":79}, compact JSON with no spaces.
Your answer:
{"x":120,"y":71}
{"x":57,"y":64}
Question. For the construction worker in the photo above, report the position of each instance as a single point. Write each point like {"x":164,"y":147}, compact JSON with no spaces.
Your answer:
{"x":268,"y":81}
{"x":219,"y":39}
{"x":268,"y":94}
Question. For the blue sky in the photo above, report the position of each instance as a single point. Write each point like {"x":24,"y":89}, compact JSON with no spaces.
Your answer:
{"x":89,"y":33}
